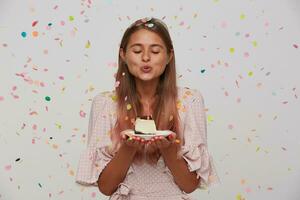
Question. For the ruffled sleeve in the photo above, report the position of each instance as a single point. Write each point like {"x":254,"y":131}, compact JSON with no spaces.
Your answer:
{"x":96,"y":156}
{"x":195,"y":150}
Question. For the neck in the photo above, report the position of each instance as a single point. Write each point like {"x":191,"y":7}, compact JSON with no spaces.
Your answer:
{"x":147,"y":90}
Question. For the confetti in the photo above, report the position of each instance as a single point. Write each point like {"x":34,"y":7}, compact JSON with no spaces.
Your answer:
{"x":18,"y":159}
{"x":24,"y":34}
{"x":246,"y":54}
{"x":35,"y":33}
{"x":231,"y":50}
{"x":1,"y":98}
{"x":71,"y":18}
{"x":242,"y":16}
{"x":88,"y":44}
{"x":7,"y":167}
{"x":202,"y":71}
{"x":117,"y":83}
{"x":295,"y":46}
{"x":47,"y":98}
{"x":240,"y":197}
{"x":128,"y":106}
{"x":40,"y":185}
{"x":93,"y":194}
{"x":82,"y":114}
{"x":34,"y":23}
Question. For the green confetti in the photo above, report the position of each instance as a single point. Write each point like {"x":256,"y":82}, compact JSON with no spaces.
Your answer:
{"x":47,"y":98}
{"x":71,"y":18}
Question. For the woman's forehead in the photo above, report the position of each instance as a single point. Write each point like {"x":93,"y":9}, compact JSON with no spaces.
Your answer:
{"x":145,"y":38}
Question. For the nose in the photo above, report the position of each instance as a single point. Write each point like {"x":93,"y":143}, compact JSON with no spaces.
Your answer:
{"x":145,"y":56}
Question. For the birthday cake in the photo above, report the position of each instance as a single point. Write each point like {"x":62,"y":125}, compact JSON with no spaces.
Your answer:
{"x":145,"y":126}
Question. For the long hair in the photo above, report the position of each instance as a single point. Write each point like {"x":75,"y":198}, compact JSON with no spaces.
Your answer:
{"x":129,"y":107}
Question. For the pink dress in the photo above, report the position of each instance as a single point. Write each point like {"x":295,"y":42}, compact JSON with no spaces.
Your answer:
{"x":145,"y":182}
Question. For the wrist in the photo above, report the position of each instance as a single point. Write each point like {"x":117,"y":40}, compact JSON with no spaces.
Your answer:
{"x":128,"y":149}
{"x":170,"y":150}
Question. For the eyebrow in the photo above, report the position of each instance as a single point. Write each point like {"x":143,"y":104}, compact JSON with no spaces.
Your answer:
{"x":152,"y":45}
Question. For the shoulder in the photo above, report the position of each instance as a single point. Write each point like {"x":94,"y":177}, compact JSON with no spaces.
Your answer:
{"x":189,"y":95}
{"x":104,"y":98}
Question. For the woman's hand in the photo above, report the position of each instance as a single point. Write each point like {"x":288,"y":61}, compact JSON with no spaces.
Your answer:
{"x":161,"y":143}
{"x":134,"y":142}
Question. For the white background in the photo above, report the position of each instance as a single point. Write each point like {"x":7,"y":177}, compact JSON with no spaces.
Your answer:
{"x":253,"y":133}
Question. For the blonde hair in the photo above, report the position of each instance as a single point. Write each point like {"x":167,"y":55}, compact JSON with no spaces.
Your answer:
{"x":165,"y":110}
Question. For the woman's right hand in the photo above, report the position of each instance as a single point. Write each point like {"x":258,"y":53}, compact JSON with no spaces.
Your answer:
{"x":134,"y":142}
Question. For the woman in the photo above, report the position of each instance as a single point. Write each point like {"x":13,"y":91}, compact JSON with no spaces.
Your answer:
{"x":162,"y":167}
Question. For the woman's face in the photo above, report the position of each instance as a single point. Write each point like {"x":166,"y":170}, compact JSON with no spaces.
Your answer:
{"x":146,"y":55}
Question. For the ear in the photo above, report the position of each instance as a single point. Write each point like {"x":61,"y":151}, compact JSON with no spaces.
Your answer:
{"x":170,"y":56}
{"x":122,"y":54}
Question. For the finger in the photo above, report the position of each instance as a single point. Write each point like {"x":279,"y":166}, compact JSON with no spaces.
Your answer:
{"x":172,"y":137}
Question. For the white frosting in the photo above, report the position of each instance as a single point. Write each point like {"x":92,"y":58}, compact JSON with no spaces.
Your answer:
{"x":145,"y":126}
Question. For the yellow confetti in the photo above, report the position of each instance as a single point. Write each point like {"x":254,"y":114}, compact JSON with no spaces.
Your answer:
{"x":250,"y":74}
{"x":114,"y":97}
{"x":254,"y":43}
{"x":128,"y":106}
{"x":178,"y":105}
{"x":88,"y":44}
{"x":257,"y":149}
{"x":242,"y":16}
{"x":231,"y":50}
{"x":71,"y":18}
{"x":240,"y":197}
{"x":58,"y":125}
{"x":210,"y":118}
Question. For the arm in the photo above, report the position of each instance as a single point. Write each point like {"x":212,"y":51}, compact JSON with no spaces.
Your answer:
{"x":186,"y":180}
{"x":116,"y":170}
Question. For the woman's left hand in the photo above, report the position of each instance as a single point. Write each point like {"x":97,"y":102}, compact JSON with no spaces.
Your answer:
{"x":160,"y":142}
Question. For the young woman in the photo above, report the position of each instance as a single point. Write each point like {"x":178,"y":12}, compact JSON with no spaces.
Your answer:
{"x":162,"y":167}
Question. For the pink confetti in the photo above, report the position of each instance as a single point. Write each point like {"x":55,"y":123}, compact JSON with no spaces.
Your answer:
{"x":295,"y":46}
{"x":62,"y":23}
{"x":61,"y":77}
{"x":93,"y":194}
{"x":7,"y":167}
{"x":55,"y":7}
{"x":248,"y":190}
{"x":14,"y":88}
{"x":34,"y":127}
{"x":1,"y":98}
{"x":34,"y":23}
{"x":117,"y":83}
{"x":224,"y":24}
{"x":33,"y":141}
{"x":246,"y":54}
{"x":82,"y":114}
{"x":230,"y":126}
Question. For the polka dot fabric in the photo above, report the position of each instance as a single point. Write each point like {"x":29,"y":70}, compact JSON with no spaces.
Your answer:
{"x":145,"y":182}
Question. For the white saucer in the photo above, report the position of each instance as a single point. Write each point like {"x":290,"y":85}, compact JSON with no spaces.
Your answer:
{"x":163,"y":133}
